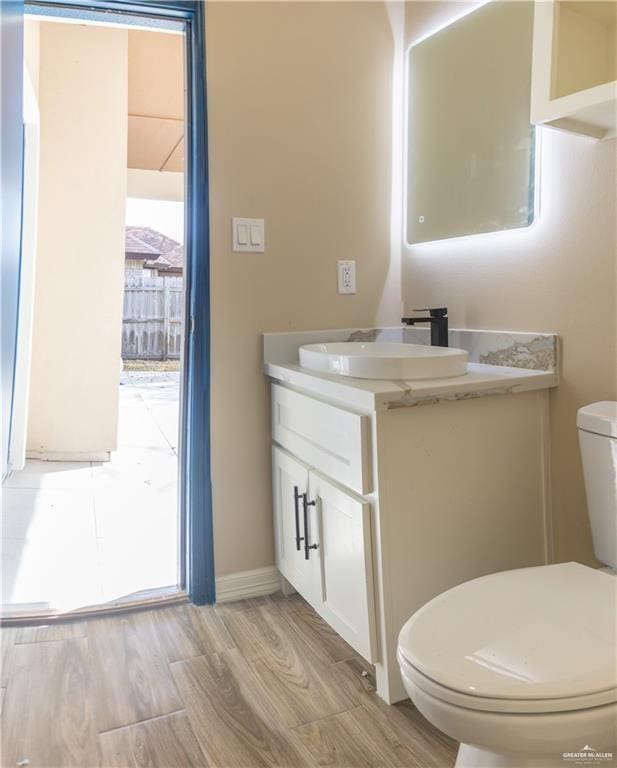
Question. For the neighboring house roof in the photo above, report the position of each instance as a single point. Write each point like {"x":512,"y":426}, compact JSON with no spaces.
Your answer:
{"x":135,"y":246}
{"x":175,"y":257}
{"x":158,"y":250}
{"x":161,"y":263}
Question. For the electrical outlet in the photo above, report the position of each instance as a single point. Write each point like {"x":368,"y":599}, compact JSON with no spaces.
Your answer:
{"x":346,"y":273}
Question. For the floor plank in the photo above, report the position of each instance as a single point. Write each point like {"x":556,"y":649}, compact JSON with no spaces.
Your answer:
{"x":165,"y":742}
{"x":430,"y":746}
{"x":186,"y":631}
{"x":234,"y":721}
{"x":47,"y":632}
{"x":354,"y":739}
{"x":298,"y":682}
{"x":274,"y":699}
{"x":293,"y":602}
{"x":405,"y":725}
{"x":131,"y":675}
{"x":48,"y":717}
{"x":322,"y":639}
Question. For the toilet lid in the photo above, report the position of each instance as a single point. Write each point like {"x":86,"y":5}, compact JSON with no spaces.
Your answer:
{"x":534,"y":633}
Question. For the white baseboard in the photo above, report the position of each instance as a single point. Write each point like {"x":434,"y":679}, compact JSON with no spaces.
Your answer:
{"x":237,"y":586}
{"x":69,"y":455}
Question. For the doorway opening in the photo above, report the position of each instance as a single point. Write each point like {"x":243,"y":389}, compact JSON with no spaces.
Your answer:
{"x":98,"y":508}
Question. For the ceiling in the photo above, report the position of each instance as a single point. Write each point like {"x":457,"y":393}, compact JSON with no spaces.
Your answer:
{"x":156,"y":101}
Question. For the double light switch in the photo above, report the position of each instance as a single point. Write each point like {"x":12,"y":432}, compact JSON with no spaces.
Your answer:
{"x":248,"y":235}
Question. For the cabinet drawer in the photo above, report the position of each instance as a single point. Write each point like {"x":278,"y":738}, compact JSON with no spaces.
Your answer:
{"x":331,"y":439}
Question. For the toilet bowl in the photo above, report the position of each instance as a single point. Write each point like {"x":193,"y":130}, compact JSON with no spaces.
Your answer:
{"x":520,"y":667}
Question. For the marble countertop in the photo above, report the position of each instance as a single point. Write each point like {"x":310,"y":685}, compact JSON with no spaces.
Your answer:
{"x":500,"y":362}
{"x":372,"y":395}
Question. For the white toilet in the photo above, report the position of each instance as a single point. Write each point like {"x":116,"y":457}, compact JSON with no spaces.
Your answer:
{"x":521,"y":666}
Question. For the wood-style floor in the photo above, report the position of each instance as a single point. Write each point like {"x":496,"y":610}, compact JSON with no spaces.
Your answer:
{"x":261,"y":682}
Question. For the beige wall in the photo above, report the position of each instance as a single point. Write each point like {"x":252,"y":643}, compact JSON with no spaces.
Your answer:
{"x":300,"y":104}
{"x":32,"y":46}
{"x":80,"y":259}
{"x":559,"y":276}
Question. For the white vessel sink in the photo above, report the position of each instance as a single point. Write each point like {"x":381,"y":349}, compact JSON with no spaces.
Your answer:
{"x":384,"y":360}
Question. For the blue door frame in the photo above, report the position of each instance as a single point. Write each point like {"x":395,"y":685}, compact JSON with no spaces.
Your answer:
{"x":195,"y":477}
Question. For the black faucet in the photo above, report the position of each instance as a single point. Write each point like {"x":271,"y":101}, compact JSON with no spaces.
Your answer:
{"x":438,"y":318}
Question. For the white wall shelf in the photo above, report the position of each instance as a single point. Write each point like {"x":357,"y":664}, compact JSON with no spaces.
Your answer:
{"x":574,"y":74}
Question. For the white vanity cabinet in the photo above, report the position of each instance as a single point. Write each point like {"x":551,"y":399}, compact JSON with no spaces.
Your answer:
{"x":379,"y":509}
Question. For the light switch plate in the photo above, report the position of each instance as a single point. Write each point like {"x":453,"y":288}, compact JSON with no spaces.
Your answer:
{"x":247,"y":235}
{"x":346,"y":276}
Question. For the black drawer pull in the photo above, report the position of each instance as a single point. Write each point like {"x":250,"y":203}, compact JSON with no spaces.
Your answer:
{"x":305,"y":505}
{"x":297,"y":496}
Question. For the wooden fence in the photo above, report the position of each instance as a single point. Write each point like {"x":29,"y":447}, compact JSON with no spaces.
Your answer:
{"x":152,"y":317}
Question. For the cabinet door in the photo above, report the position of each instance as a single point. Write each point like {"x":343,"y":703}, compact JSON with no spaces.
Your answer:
{"x":345,"y":593}
{"x":290,"y":486}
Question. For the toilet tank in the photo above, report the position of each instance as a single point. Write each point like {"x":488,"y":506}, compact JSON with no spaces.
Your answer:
{"x":597,"y":433}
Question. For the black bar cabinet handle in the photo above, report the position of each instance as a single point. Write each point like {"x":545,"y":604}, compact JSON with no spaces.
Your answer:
{"x":305,"y":505}
{"x":297,"y":496}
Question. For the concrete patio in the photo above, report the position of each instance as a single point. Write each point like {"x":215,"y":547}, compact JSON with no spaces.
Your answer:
{"x":78,"y":534}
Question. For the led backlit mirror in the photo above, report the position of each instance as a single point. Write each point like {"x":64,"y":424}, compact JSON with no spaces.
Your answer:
{"x":470,"y":145}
